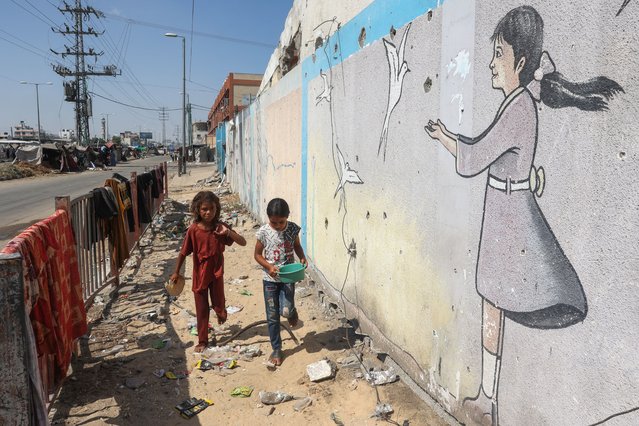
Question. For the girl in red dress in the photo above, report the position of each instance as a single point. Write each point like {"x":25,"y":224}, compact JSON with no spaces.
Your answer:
{"x":206,"y":238}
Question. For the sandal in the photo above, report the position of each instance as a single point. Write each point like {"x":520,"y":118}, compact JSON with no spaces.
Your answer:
{"x":199,"y":348}
{"x":276,"y":357}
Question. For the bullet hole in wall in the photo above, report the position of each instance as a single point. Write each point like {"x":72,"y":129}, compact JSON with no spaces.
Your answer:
{"x":401,"y":252}
{"x":452,"y":308}
{"x":385,"y":215}
{"x":362,"y":37}
{"x":314,"y":57}
{"x":368,"y":214}
{"x":335,"y":48}
{"x":429,"y":15}
{"x":326,"y":222}
{"x":523,"y":252}
{"x":622,"y":155}
{"x":428,"y":84}
{"x":455,"y":270}
{"x":357,"y":158}
{"x":392,"y":32}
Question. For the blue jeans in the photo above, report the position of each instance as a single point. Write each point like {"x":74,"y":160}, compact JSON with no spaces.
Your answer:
{"x":279,"y":299}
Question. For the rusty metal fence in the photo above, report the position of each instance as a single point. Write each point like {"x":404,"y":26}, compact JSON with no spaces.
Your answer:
{"x":95,"y":260}
{"x":97,"y":270}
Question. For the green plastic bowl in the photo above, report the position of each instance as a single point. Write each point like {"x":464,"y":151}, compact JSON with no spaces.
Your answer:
{"x":291,"y":273}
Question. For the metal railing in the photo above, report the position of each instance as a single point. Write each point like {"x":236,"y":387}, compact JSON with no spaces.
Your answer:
{"x":93,"y":247}
{"x":94,"y":252}
{"x":94,"y":260}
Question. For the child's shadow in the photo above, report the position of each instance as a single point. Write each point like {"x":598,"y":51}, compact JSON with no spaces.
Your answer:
{"x":336,"y":339}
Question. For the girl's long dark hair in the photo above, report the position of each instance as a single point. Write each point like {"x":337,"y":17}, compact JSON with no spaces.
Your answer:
{"x":523,"y":29}
{"x":205,"y":197}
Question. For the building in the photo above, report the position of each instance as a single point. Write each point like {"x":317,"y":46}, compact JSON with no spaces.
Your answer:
{"x":236,"y":93}
{"x":22,"y":131}
{"x":200,"y":130}
{"x":129,"y":138}
{"x":67,"y":134}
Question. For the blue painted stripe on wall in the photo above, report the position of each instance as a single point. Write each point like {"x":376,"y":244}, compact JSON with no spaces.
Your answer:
{"x":377,"y":18}
{"x":304,"y":195}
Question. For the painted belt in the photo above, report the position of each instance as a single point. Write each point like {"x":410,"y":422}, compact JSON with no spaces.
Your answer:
{"x":535,"y":183}
{"x":508,"y":185}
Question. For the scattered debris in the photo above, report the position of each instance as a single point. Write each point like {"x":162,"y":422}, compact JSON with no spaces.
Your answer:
{"x":383,"y":411}
{"x":303,"y":403}
{"x":273,"y":398}
{"x":377,"y":378}
{"x":192,"y":406}
{"x":320,"y":370}
{"x":352,"y":361}
{"x":301,"y":292}
{"x":336,"y":419}
{"x":161,"y":344}
{"x":245,"y":292}
{"x":234,"y":309}
{"x":204,"y":365}
{"x":242,"y":391}
{"x":134,"y":382}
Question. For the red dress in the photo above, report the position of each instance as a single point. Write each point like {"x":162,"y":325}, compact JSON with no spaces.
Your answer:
{"x":208,"y":274}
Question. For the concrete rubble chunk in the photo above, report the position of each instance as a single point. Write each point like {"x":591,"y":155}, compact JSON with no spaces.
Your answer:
{"x":320,"y":370}
{"x":382,"y":411}
{"x":352,"y":361}
{"x":272,"y":398}
{"x":377,"y":378}
{"x":303,"y":403}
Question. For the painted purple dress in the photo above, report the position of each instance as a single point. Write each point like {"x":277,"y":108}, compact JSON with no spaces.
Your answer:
{"x":521,"y":267}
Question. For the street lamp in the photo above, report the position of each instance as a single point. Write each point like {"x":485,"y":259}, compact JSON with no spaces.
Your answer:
{"x":183,"y":155}
{"x":48,"y":83}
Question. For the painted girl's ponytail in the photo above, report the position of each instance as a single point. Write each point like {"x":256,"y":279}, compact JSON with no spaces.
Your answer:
{"x":591,"y":95}
{"x":523,"y":29}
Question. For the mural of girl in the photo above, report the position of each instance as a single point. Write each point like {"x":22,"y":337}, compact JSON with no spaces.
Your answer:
{"x":522,"y":272}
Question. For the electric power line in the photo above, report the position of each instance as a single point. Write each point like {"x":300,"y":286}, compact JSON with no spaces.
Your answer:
{"x":133,"y":106}
{"x":198,"y":33}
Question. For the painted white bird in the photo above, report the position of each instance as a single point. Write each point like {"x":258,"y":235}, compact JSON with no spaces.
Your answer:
{"x":326,"y":94}
{"x":398,"y":69}
{"x":348,"y":175}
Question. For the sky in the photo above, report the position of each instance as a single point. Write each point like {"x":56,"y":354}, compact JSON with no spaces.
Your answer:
{"x":221,"y":37}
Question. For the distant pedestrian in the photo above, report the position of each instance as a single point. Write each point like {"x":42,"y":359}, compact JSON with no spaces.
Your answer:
{"x":206,"y":239}
{"x":276,"y":242}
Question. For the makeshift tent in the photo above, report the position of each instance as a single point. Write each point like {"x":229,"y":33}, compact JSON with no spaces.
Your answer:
{"x":29,"y":154}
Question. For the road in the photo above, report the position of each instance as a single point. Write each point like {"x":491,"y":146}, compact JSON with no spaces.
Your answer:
{"x":26,"y":201}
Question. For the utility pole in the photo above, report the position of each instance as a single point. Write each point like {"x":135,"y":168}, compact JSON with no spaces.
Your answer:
{"x":104,"y":134}
{"x":164,"y":116}
{"x":77,"y":91}
{"x":190,"y":124}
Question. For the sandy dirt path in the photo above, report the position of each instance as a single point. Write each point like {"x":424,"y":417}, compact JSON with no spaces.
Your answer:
{"x":138,"y":331}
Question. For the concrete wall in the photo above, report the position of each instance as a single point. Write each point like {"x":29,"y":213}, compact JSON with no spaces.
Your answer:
{"x":387,"y":216}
